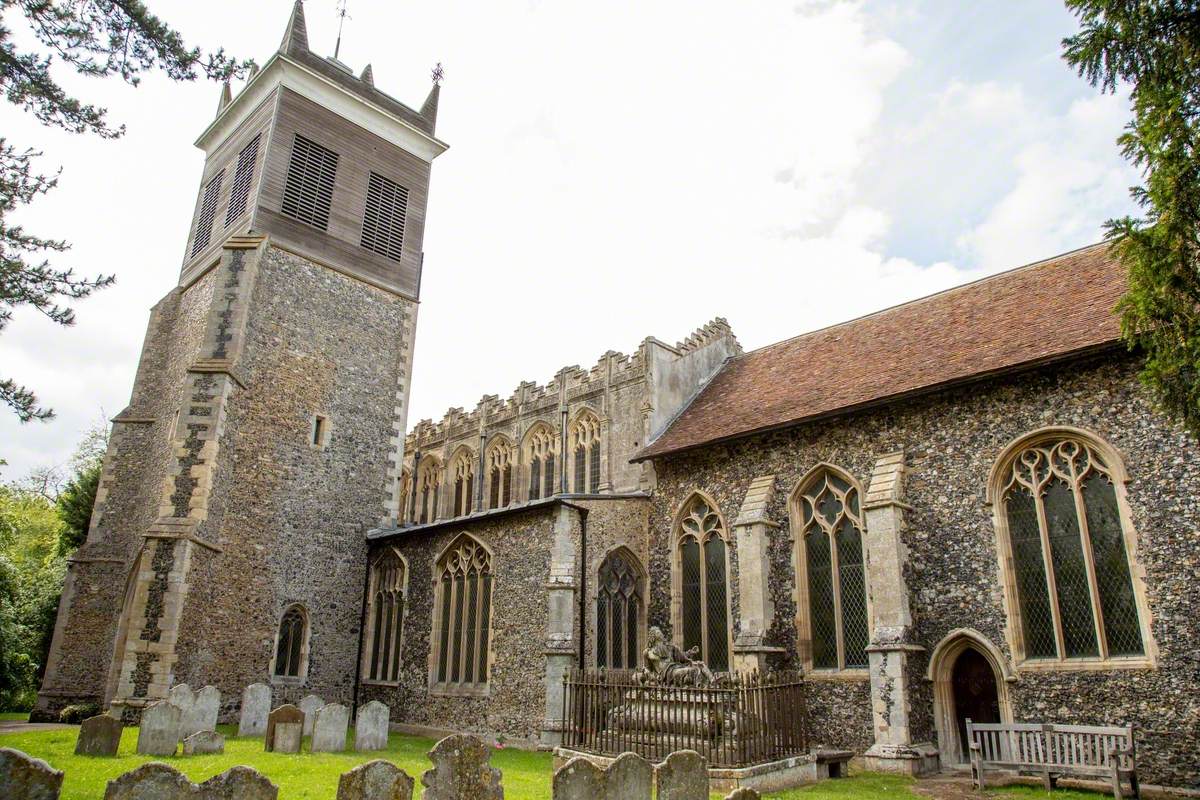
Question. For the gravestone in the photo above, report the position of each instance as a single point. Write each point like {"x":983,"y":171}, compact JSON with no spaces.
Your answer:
{"x":182,"y":696}
{"x":579,"y":779}
{"x":742,"y":793}
{"x":238,"y":783}
{"x":27,"y":778}
{"x":203,"y":743}
{"x":99,"y":736}
{"x":371,"y":727}
{"x":285,"y":714}
{"x":153,"y":781}
{"x":630,"y":777}
{"x":256,"y":704}
{"x":309,"y":706}
{"x":461,"y":771}
{"x":329,"y":729}
{"x":288,"y":737}
{"x":158,"y":734}
{"x":204,"y":711}
{"x":683,"y":776}
{"x":375,"y":780}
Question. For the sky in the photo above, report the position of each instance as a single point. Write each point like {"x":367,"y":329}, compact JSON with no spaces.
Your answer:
{"x":616,"y":170}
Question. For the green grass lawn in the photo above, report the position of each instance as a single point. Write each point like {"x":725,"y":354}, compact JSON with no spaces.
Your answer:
{"x":14,"y":716}
{"x":1038,"y":793}
{"x":301,"y":777}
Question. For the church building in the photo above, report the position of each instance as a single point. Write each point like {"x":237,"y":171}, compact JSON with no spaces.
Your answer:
{"x":961,"y":507}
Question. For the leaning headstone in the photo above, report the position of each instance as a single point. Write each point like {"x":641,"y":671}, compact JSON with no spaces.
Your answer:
{"x":256,"y":704}
{"x":375,"y":780}
{"x":461,"y":771}
{"x":203,"y":742}
{"x":743,"y":793}
{"x":29,"y":778}
{"x":309,"y":706}
{"x":158,"y":734}
{"x":630,"y":777}
{"x":99,"y":736}
{"x":205,"y":710}
{"x":683,"y":776}
{"x":371,"y":727}
{"x":238,"y":783}
{"x":284,"y":715}
{"x":153,"y":781}
{"x":329,"y":729}
{"x":288,"y":736}
{"x":578,"y":779}
{"x":182,"y":695}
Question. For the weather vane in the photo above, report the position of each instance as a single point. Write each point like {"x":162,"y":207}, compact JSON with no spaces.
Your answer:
{"x":342,"y":17}
{"x":438,"y":73}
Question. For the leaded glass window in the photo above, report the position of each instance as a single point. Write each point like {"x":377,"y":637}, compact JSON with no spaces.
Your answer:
{"x":835,"y":570}
{"x":464,"y":614}
{"x":463,"y":470}
{"x":290,"y":644}
{"x":386,"y":617}
{"x":1071,"y":571}
{"x":499,"y":462}
{"x":704,"y":584}
{"x":430,"y":484}
{"x":619,"y":604}
{"x":539,"y":454}
{"x":585,"y":449}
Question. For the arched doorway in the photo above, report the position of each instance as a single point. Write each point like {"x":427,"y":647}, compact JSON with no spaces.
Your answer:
{"x":970,"y":681}
{"x":976,"y":697}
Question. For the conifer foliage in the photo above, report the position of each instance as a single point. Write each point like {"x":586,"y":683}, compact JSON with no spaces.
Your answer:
{"x":1153,"y":48}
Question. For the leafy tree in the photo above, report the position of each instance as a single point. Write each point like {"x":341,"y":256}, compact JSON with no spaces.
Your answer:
{"x":1153,"y":47}
{"x":96,"y":38}
{"x":74,"y":505}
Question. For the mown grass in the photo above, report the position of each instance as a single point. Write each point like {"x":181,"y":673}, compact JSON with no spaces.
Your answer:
{"x":1019,"y":792}
{"x":314,"y":776}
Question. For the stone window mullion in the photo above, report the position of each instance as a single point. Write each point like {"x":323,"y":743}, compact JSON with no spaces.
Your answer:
{"x":1048,"y":561}
{"x":1085,"y":541}
{"x":835,"y":576}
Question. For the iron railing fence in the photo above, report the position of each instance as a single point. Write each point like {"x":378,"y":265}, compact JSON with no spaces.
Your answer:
{"x":740,"y":720}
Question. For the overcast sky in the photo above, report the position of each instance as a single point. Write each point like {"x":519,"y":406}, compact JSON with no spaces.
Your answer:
{"x":617,"y":170}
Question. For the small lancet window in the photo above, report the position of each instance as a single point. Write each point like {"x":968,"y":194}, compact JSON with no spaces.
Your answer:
{"x":290,"y":646}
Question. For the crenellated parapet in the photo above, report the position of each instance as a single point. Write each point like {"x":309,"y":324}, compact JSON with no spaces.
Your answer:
{"x":707,"y":334}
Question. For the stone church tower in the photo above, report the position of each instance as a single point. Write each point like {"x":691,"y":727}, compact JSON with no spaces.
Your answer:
{"x":265,"y":431}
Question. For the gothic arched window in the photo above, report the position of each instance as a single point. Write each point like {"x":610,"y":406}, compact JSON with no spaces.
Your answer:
{"x":462,"y":622}
{"x":385,"y":615}
{"x":833,"y":560}
{"x":429,"y":488}
{"x":619,"y":608}
{"x":540,"y":446}
{"x":585,"y":453}
{"x":405,"y":494}
{"x":703,"y":581}
{"x":1058,"y":498}
{"x":291,"y":643}
{"x":463,"y":471}
{"x":499,"y":460}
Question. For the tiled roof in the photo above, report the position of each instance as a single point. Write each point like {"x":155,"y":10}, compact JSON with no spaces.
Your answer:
{"x":1020,"y":318}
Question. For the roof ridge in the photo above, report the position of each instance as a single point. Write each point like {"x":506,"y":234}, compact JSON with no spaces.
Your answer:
{"x":923,"y":298}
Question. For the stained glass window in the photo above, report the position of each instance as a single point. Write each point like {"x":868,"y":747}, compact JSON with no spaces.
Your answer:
{"x":1074,"y":586}
{"x":704,"y":583}
{"x":465,"y":586}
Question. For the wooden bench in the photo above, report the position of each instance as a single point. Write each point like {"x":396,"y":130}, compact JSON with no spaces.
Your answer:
{"x":1055,"y":750}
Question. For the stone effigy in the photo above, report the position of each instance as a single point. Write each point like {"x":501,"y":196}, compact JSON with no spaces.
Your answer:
{"x":203,"y":743}
{"x":668,"y":665}
{"x":309,"y":705}
{"x":286,"y":714}
{"x":238,"y":783}
{"x":27,"y":778}
{"x":256,"y":705}
{"x":329,"y":729}
{"x":375,"y":780}
{"x":99,"y":736}
{"x":461,"y":771}
{"x":683,"y":776}
{"x":158,"y":733}
{"x":371,"y":727}
{"x":153,"y":781}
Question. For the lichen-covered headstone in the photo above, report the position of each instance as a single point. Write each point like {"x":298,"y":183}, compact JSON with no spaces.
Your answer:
{"x":153,"y":781}
{"x":288,"y":736}
{"x":375,"y":780}
{"x":238,"y":783}
{"x":256,"y":705}
{"x":99,"y":736}
{"x":578,"y":779}
{"x":204,"y":711}
{"x":158,"y":733}
{"x":203,"y":742}
{"x":683,"y":776}
{"x":285,"y":714}
{"x":329,"y":729}
{"x":742,"y":793}
{"x":182,"y":696}
{"x":630,"y":777}
{"x":371,"y":727}
{"x":461,"y":771}
{"x":309,"y":705}
{"x":27,"y":778}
